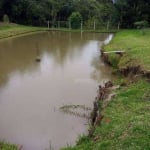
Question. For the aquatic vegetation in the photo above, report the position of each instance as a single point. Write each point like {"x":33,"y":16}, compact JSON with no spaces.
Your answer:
{"x":77,"y":110}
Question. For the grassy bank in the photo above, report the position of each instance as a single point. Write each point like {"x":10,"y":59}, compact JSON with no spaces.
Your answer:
{"x":137,"y":47}
{"x":125,"y":125}
{"x":9,"y":30}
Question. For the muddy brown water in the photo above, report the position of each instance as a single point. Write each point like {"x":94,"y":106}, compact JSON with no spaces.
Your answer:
{"x":31,"y":92}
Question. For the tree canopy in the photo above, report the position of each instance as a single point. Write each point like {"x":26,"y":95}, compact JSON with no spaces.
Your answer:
{"x":37,"y":12}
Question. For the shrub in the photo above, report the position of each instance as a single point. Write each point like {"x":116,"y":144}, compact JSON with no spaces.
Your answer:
{"x":75,"y":20}
{"x":5,"y":18}
{"x":141,"y":24}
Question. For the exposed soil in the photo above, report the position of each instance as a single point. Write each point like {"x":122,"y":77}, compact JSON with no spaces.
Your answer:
{"x":105,"y":94}
{"x":127,"y":70}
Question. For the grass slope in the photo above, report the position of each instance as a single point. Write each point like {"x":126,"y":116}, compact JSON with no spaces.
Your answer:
{"x":137,"y":46}
{"x":9,"y":30}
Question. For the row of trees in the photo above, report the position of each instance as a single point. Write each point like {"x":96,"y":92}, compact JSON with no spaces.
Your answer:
{"x":130,"y":12}
{"x":37,"y":12}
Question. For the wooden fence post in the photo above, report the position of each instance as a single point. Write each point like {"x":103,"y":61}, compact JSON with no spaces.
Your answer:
{"x":119,"y":26}
{"x":94,"y":25}
{"x":108,"y":25}
{"x":48,"y":24}
{"x":69,"y":25}
{"x":81,"y":26}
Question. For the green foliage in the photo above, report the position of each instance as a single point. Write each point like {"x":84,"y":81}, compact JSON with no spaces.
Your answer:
{"x":89,"y":24}
{"x":141,"y":24}
{"x":75,"y":20}
{"x":114,"y":59}
{"x":5,"y":19}
{"x":129,"y":12}
{"x":35,"y":12}
{"x":7,"y":146}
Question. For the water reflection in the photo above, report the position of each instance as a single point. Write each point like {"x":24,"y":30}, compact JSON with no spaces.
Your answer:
{"x":19,"y":54}
{"x":31,"y":92}
{"x":100,"y":72}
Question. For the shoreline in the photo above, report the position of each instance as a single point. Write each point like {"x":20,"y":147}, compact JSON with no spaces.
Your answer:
{"x":123,"y":122}
{"x":15,"y":30}
{"x":121,"y":111}
{"x":12,"y":31}
{"x":22,"y":34}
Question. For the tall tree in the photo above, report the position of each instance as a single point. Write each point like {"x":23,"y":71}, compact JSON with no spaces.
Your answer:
{"x":37,"y":12}
{"x":130,"y":11}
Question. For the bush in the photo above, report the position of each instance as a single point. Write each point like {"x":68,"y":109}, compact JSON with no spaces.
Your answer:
{"x":75,"y":20}
{"x":7,"y":146}
{"x":141,"y":24}
{"x":5,"y":19}
{"x":89,"y":24}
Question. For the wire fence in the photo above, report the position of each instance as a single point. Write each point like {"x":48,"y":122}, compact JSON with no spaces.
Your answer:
{"x":93,"y":25}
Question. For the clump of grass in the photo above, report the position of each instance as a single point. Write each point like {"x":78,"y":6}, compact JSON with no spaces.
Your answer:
{"x":7,"y":146}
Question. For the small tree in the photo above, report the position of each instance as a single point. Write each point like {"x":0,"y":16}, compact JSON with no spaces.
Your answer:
{"x":75,"y":20}
{"x":5,"y":18}
{"x":141,"y":25}
{"x":91,"y":23}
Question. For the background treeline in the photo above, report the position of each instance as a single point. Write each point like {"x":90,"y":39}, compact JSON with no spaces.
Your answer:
{"x":126,"y":13}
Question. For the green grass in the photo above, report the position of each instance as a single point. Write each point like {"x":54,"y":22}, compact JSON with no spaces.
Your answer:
{"x":7,"y":146}
{"x":129,"y":117}
{"x":137,"y":47}
{"x":9,"y":30}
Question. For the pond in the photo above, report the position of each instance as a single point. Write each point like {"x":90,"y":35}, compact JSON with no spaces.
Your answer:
{"x":31,"y":93}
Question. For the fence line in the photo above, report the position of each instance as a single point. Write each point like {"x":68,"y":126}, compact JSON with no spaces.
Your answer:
{"x":93,"y":25}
